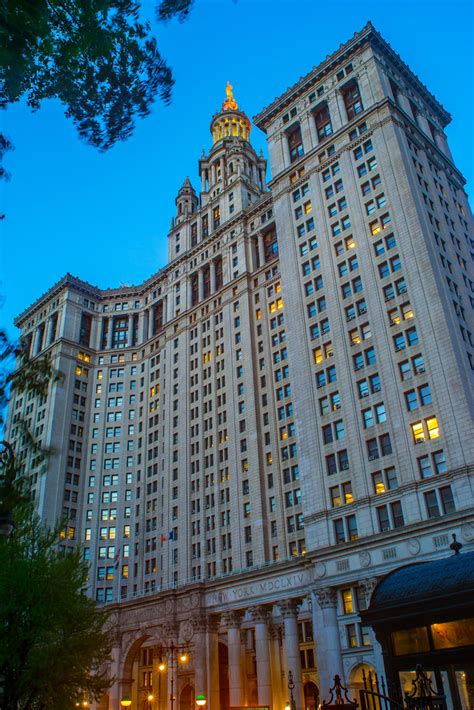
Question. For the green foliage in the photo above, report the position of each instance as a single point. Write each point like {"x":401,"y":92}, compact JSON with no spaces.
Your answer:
{"x":53,"y":640}
{"x":170,"y":8}
{"x":18,"y":371}
{"x":95,"y":56}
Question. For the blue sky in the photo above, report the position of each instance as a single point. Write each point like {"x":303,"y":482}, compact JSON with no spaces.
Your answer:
{"x":105,"y":217}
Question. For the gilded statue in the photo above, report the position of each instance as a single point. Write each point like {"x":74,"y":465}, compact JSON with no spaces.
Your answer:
{"x":230,"y":102}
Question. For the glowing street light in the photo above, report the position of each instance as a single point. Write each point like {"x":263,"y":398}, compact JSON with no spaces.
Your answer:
{"x":201,"y":701}
{"x":126,"y":701}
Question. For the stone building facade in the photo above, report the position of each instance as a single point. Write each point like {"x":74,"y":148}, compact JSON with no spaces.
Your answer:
{"x":246,"y":442}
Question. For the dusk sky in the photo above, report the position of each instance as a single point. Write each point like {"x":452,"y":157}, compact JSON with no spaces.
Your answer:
{"x":105,"y":217}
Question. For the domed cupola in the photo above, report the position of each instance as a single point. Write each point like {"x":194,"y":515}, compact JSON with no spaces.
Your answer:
{"x":230,"y":122}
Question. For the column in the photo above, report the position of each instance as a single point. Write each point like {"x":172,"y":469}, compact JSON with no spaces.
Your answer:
{"x":289,"y":612}
{"x":200,"y":672}
{"x":203,"y":179}
{"x":95,"y":333}
{"x":279,"y":698}
{"x":232,"y":620}
{"x":368,"y":585}
{"x":312,"y":130}
{"x":213,"y":698}
{"x":141,"y":327}
{"x":150,"y":322}
{"x":201,"y":285}
{"x":130,"y":331}
{"x":114,"y":692}
{"x":255,"y":173}
{"x":442,"y":144}
{"x":213,"y":276}
{"x":261,"y":616}
{"x":328,"y":644}
{"x":110,"y":333}
{"x":285,"y":150}
{"x":336,"y":109}
{"x":404,"y":103}
{"x":248,"y":666}
{"x":306,"y":134}
{"x":261,"y":249}
{"x":49,"y":332}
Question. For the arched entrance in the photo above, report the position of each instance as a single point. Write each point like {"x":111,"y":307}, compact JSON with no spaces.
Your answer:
{"x":186,"y":698}
{"x":356,"y":682}
{"x":223,"y":676}
{"x":311,"y":695}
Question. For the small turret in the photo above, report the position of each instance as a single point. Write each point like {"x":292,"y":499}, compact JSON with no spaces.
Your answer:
{"x":186,"y":201}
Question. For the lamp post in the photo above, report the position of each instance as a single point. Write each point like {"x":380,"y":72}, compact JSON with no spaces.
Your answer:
{"x":175,"y":655}
{"x":126,"y":701}
{"x":291,"y":685}
{"x":201,"y":701}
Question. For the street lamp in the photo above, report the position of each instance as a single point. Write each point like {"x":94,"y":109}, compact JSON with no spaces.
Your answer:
{"x":126,"y":701}
{"x":175,"y":655}
{"x":201,"y":701}
{"x":291,"y":684}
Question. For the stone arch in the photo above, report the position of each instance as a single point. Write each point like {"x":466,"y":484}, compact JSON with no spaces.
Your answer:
{"x":129,"y":653}
{"x":355,"y":683}
{"x":311,"y":695}
{"x":186,"y":697}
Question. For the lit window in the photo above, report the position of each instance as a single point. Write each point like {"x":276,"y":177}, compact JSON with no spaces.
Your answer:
{"x":347,"y":601}
{"x":418,"y":432}
{"x":433,"y":428}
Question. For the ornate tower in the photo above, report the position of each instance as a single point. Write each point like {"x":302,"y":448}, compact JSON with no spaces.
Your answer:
{"x":231,"y":159}
{"x":186,"y":201}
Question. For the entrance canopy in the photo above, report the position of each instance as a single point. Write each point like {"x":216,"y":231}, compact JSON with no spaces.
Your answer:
{"x":425,"y":590}
{"x":423,"y":614}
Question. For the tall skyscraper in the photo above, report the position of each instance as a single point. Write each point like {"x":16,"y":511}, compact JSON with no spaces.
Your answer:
{"x":247,"y":441}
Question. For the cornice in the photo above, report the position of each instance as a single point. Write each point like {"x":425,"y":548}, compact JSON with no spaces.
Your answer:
{"x":367,"y":34}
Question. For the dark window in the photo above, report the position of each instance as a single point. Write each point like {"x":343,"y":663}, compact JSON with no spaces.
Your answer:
{"x":295,"y":142}
{"x":352,"y":100}
{"x":323,"y":121}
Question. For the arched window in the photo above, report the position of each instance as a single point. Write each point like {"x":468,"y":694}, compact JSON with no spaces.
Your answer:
{"x":352,"y":99}
{"x":323,"y":121}
{"x":295,"y":142}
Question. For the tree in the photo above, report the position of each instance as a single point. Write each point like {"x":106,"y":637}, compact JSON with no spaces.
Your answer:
{"x":54,"y":641}
{"x":95,"y":56}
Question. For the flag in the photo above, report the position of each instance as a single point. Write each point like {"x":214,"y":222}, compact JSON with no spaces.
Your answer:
{"x":117,"y":558}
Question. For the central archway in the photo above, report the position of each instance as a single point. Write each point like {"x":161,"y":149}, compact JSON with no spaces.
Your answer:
{"x":186,"y":698}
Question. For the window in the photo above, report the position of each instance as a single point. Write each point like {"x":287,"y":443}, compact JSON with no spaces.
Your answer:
{"x":439,"y":502}
{"x":422,"y":430}
{"x":295,"y":142}
{"x":352,"y":99}
{"x":323,"y":121}
{"x":348,"y":606}
{"x":390,"y":516}
{"x":384,"y":481}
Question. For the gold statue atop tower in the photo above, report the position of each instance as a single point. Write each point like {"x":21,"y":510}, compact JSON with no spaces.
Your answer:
{"x":230,"y":102}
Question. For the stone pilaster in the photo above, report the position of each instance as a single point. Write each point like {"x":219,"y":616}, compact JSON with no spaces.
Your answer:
{"x":289,"y":612}
{"x":326,"y":629}
{"x":213,"y":662}
{"x":232,"y":621}
{"x":261,"y":616}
